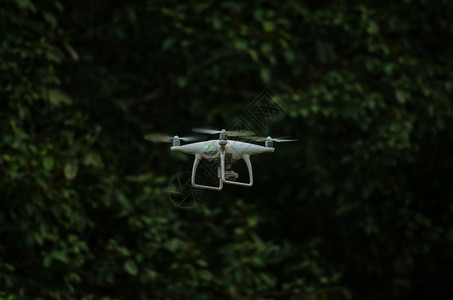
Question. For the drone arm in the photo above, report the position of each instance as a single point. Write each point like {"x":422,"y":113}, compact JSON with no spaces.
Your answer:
{"x":194,"y":172}
{"x":246,"y":158}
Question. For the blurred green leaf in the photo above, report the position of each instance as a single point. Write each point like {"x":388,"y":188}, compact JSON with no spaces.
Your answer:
{"x":48,"y":163}
{"x":131,"y":267}
{"x":70,"y":170}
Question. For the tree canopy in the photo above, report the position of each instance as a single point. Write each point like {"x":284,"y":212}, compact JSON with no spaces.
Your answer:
{"x":360,"y":208}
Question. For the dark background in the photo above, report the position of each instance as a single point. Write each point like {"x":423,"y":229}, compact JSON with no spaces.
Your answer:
{"x":360,"y":208}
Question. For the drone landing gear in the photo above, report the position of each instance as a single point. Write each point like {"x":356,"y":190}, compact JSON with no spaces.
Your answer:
{"x":224,"y":171}
{"x":194,"y":172}
{"x":225,"y":176}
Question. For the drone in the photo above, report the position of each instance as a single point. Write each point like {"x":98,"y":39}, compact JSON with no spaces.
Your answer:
{"x":223,"y":151}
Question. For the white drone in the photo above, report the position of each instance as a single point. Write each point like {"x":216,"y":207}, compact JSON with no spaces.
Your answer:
{"x":222,"y":151}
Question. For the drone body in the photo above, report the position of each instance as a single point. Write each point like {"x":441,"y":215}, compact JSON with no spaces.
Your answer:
{"x":223,"y":151}
{"x":210,"y":150}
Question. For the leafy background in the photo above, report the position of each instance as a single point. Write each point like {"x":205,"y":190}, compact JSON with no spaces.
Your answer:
{"x":360,"y":208}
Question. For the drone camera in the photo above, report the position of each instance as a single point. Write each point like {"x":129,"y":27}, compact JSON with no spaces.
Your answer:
{"x":230,"y":175}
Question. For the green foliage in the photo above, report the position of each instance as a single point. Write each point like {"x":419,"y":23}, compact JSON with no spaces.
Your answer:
{"x":359,"y":209}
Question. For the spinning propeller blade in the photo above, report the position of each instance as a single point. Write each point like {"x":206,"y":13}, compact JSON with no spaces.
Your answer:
{"x":166,"y":138}
{"x":283,"y":140}
{"x":206,"y":130}
{"x":159,"y":138}
{"x":278,"y":140}
{"x":240,"y":133}
{"x":229,"y":132}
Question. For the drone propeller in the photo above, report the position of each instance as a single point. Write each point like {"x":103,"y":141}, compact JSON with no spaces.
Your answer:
{"x":166,"y":138}
{"x":278,"y":140}
{"x":228,"y":132}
